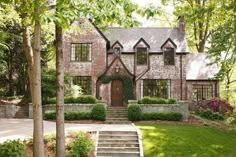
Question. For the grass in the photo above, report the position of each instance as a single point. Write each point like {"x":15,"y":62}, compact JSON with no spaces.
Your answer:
{"x":170,"y":140}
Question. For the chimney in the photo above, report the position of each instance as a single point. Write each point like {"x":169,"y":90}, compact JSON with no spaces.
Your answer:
{"x":181,"y":26}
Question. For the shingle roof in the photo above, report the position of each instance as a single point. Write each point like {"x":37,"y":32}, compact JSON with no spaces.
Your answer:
{"x":154,"y":36}
{"x":198,"y":68}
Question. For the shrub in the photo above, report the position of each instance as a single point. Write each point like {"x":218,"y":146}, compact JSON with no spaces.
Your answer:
{"x":231,"y":120}
{"x":211,"y":115}
{"x":216,"y":105}
{"x":77,"y":115}
{"x":134,"y":112}
{"x":69,"y":115}
{"x":172,"y":101}
{"x":85,"y":99}
{"x":98,"y":112}
{"x":14,"y":148}
{"x":81,"y":146}
{"x":156,"y":100}
{"x":171,"y":116}
{"x":49,"y":115}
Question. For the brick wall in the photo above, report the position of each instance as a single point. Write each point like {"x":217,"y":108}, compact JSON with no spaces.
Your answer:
{"x":87,"y":35}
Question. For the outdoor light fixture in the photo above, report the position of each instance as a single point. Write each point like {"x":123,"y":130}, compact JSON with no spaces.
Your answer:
{"x":117,"y":68}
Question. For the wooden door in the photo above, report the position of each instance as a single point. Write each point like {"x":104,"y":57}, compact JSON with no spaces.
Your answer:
{"x":117,"y":93}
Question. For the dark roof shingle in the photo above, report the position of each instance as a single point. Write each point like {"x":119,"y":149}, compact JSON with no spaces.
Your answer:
{"x":154,"y":36}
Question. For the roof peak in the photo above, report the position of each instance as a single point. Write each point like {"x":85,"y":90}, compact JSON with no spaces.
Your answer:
{"x":142,"y":28}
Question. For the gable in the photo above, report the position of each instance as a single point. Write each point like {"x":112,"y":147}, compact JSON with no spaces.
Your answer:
{"x":154,"y":37}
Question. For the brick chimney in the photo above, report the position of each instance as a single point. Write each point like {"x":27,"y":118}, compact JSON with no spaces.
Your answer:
{"x":181,"y":25}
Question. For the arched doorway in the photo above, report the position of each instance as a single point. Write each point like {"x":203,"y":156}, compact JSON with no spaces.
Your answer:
{"x":116,"y":93}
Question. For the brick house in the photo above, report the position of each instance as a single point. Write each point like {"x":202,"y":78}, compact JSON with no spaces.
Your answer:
{"x":119,"y":64}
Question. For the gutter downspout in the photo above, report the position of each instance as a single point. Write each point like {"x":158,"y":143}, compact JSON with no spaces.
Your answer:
{"x":181,"y":78}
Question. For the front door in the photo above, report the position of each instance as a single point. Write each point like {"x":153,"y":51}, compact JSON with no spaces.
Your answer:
{"x":116,"y":93}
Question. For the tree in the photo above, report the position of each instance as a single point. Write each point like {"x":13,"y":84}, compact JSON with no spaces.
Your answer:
{"x":223,"y":49}
{"x":202,"y":17}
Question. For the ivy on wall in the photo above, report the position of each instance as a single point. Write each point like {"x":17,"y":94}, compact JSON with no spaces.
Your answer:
{"x":127,"y":85}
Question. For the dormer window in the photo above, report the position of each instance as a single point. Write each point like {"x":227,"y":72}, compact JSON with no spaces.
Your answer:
{"x":141,"y":56}
{"x":169,"y":56}
{"x":117,"y":51}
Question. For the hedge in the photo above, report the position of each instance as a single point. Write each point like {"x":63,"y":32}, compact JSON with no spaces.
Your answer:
{"x":171,"y":116}
{"x":98,"y":113}
{"x":68,"y":115}
{"x":85,"y":99}
{"x":156,"y":100}
{"x":135,"y":113}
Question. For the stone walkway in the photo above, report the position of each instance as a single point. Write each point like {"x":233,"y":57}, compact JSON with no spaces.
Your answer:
{"x":23,"y":128}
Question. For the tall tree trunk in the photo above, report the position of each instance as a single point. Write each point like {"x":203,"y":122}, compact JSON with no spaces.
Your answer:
{"x":34,"y":73}
{"x":60,"y":133}
{"x":37,"y":102}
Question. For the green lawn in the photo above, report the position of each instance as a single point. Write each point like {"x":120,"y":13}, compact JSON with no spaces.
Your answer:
{"x":169,"y":140}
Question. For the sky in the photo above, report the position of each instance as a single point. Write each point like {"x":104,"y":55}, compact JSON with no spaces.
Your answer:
{"x":157,"y":20}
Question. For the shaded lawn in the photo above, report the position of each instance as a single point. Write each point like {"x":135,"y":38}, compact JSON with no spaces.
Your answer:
{"x":171,"y":140}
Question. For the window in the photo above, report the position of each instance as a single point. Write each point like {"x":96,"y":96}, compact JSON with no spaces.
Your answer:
{"x":202,"y":92}
{"x":158,"y":88}
{"x":169,"y":56}
{"x":117,"y":51}
{"x":81,"y":52}
{"x":141,"y":56}
{"x":84,"y":82}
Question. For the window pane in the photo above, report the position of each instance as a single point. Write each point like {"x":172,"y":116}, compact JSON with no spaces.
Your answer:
{"x":117,"y":51}
{"x":169,"y":57}
{"x":84,"y":82}
{"x":81,"y":52}
{"x":141,"y":56}
{"x":158,"y":88}
{"x":202,"y":92}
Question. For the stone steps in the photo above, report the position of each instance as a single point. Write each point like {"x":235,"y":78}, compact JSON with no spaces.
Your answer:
{"x":117,"y":115}
{"x":118,"y":144}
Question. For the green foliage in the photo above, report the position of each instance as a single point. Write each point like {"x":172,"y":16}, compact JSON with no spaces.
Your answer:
{"x":81,"y":146}
{"x":134,"y":112}
{"x":49,"y":83}
{"x":49,"y":115}
{"x":156,"y":100}
{"x":99,"y":112}
{"x":84,"y":99}
{"x":77,"y":115}
{"x":186,"y":140}
{"x":68,"y":115}
{"x":211,"y":115}
{"x":127,"y":85}
{"x":14,"y":148}
{"x":171,"y":116}
{"x":231,"y":120}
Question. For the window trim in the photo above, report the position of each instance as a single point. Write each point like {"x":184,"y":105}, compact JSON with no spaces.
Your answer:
{"x":169,"y":84}
{"x":203,"y":91}
{"x":164,"y":55}
{"x":117,"y":48}
{"x":89,"y":56}
{"x":146,"y":56}
{"x":90,"y":78}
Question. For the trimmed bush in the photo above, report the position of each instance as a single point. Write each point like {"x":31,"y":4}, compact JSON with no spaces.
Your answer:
{"x":172,"y":101}
{"x":134,"y":112}
{"x":98,"y":112}
{"x":171,"y":116}
{"x":14,"y":148}
{"x":49,"y":115}
{"x":85,"y":99}
{"x":76,"y":115}
{"x":69,"y":115}
{"x":211,"y":115}
{"x":156,"y":100}
{"x":81,"y":146}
